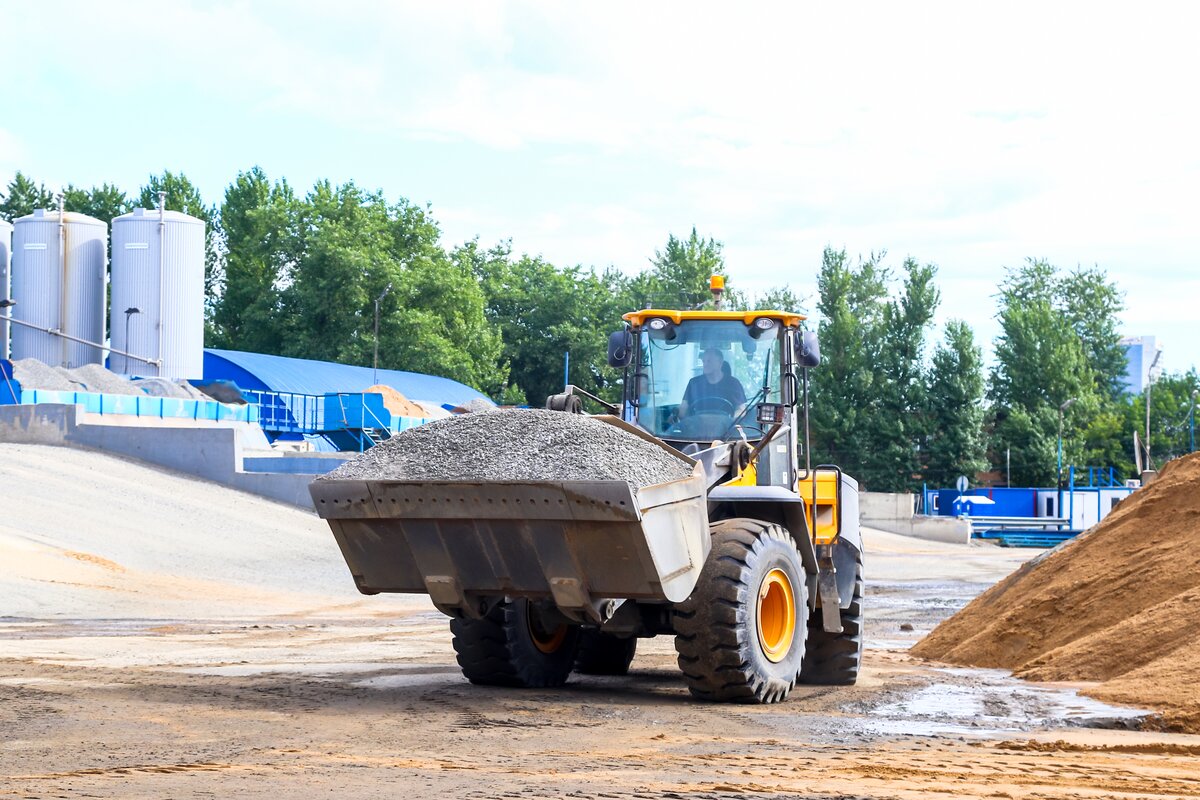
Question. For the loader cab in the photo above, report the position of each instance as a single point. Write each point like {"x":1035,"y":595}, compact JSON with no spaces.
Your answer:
{"x":674,"y":391}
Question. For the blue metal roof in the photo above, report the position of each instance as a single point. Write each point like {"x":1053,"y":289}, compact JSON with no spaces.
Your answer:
{"x":304,"y":376}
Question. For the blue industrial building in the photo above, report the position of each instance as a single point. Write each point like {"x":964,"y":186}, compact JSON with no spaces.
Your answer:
{"x":324,"y":402}
{"x":1033,"y":516}
{"x":303,"y":376}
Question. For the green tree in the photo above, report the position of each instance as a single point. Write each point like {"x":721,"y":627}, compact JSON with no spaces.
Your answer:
{"x":259,"y":231}
{"x":22,"y":196}
{"x":182,"y":195}
{"x":544,"y":312}
{"x":352,"y":247}
{"x":1092,"y":304}
{"x":780,"y":298}
{"x":896,"y":426}
{"x":104,"y":202}
{"x":850,"y":303}
{"x":679,"y":273}
{"x":955,"y":444}
{"x":1041,"y":364}
{"x":1171,"y":398}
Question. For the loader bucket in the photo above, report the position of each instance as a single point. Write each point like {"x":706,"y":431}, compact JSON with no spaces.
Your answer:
{"x":576,"y":543}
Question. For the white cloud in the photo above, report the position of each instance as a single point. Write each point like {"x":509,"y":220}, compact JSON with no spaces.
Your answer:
{"x":968,"y":135}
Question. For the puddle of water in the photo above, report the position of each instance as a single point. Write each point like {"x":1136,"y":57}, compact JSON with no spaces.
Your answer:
{"x":991,"y":701}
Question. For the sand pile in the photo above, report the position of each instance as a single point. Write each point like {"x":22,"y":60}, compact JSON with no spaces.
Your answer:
{"x":516,"y":445}
{"x":1118,"y":605}
{"x":395,"y":402}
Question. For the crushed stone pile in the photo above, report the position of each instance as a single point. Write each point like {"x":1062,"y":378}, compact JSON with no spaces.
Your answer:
{"x":516,"y":445}
{"x":97,"y":379}
{"x":1117,"y":605}
{"x":33,"y":374}
{"x":165,"y":387}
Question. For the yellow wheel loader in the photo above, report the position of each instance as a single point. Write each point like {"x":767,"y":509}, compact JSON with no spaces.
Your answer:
{"x":753,"y":562}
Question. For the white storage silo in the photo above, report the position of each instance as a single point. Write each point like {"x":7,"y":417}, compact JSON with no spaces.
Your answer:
{"x":5,"y":250}
{"x":158,"y":294}
{"x":58,"y":283}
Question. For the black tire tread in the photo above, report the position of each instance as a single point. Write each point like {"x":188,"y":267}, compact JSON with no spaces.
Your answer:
{"x":834,"y":659}
{"x":489,"y":653}
{"x":711,"y":634}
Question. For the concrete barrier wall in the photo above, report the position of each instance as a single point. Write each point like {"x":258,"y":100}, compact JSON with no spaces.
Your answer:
{"x":213,"y":452}
{"x":894,"y":513}
{"x":886,"y":505}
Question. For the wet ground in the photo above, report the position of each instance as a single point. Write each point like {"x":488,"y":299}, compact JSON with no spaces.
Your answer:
{"x":345,"y":704}
{"x":190,"y":641}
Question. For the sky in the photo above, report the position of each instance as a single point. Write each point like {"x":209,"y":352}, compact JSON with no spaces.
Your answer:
{"x":968,"y":135}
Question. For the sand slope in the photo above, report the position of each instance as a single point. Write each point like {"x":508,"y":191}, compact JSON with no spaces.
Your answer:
{"x":1118,"y":604}
{"x":88,"y":535}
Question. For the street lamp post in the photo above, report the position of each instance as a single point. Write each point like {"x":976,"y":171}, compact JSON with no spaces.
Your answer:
{"x":129,"y":312}
{"x":375,"y":364}
{"x":1061,"y":409}
{"x":1149,"y":383}
{"x":1192,"y":423}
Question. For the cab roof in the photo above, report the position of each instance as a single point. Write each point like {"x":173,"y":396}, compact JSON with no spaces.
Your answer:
{"x":637,"y":318}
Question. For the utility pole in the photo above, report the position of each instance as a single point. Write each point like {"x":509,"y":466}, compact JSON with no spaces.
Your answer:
{"x":375,"y":362}
{"x":1149,"y":383}
{"x":1192,"y":423}
{"x":1061,"y":409}
{"x":1008,"y":467}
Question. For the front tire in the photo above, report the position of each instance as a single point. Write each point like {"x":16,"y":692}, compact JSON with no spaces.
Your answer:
{"x":512,"y":646}
{"x":741,"y":634}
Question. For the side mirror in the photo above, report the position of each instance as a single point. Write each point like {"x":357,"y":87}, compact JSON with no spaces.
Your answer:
{"x":808,"y":350}
{"x":620,"y":349}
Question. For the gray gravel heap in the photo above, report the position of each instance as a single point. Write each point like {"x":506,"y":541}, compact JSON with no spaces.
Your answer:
{"x":165,"y":387}
{"x":33,"y":374}
{"x":515,"y":445}
{"x":97,"y":379}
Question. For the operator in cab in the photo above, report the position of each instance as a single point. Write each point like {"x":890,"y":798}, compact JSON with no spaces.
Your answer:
{"x":715,"y":390}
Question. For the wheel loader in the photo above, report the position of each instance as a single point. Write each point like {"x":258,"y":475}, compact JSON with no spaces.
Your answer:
{"x":753,"y":562}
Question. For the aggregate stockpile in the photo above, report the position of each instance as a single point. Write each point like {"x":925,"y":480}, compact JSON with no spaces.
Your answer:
{"x":1118,"y":605}
{"x":520,"y":503}
{"x":516,"y":445}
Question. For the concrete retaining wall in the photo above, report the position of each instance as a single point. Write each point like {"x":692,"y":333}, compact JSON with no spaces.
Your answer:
{"x":212,"y":451}
{"x":894,"y":513}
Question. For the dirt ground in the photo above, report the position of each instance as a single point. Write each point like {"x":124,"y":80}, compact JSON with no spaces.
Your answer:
{"x":216,"y":647}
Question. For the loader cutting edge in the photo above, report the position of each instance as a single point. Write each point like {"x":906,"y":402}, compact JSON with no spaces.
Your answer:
{"x":579,"y":544}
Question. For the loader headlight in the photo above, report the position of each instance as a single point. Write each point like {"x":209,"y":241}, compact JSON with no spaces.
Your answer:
{"x":760,"y":326}
{"x":661,"y":329}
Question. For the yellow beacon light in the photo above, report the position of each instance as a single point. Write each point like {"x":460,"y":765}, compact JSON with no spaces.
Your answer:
{"x":716,"y":283}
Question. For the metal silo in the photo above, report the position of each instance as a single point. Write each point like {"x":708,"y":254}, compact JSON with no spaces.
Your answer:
{"x":5,"y":250}
{"x":158,"y":294}
{"x":58,"y":283}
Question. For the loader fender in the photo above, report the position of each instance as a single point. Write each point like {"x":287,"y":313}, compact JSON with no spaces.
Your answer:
{"x":845,"y":559}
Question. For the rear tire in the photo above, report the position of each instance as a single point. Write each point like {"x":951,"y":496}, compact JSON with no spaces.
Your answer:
{"x":604,"y":654}
{"x":510,"y":647}
{"x":740,"y":636}
{"x":833,"y":659}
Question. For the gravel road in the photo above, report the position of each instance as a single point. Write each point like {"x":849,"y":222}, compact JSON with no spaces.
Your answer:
{"x":265,"y":674}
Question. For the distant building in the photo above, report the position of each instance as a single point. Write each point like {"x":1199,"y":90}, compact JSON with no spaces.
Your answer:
{"x":1140,"y":352}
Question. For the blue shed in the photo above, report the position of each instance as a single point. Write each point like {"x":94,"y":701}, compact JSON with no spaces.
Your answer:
{"x":304,"y":376}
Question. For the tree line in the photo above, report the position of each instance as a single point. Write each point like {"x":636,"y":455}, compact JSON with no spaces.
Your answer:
{"x":298,"y":274}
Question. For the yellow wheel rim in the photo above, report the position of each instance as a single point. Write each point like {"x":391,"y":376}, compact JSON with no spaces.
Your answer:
{"x":776,"y":615}
{"x":546,"y":641}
